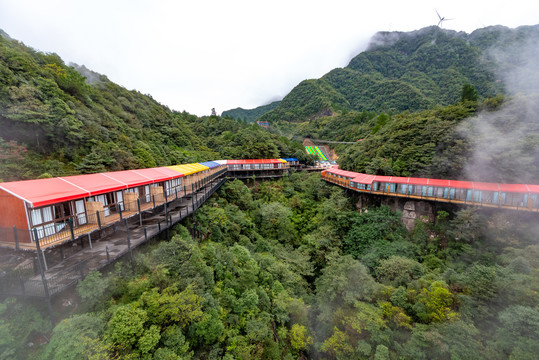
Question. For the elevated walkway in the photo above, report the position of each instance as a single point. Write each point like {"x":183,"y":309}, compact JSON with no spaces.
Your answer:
{"x":61,"y":273}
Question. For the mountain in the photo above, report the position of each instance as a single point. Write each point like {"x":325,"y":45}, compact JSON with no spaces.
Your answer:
{"x":58,"y":120}
{"x":406,"y":71}
{"x":250,"y":115}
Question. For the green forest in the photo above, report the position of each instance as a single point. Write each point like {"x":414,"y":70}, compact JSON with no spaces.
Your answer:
{"x":410,"y":71}
{"x":250,"y":115}
{"x":289,"y":269}
{"x":60,"y":120}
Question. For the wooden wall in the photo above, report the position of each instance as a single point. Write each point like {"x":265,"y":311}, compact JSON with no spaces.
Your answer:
{"x":12,"y":211}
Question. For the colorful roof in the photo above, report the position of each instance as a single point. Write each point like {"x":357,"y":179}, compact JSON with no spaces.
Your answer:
{"x":80,"y":186}
{"x":454,"y":184}
{"x":188,"y":169}
{"x":210,"y":164}
{"x":348,"y":174}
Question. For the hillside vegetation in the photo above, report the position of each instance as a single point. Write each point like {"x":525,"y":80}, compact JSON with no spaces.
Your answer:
{"x":409,"y":71}
{"x":250,"y":115}
{"x":62,"y":120}
{"x":288,"y":269}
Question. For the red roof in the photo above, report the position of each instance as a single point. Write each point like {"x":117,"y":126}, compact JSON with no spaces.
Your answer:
{"x":130,"y":178}
{"x":43,"y":192}
{"x":382,"y":178}
{"x":418,"y":181}
{"x":94,"y":184}
{"x":159,"y":174}
{"x":364,"y":179}
{"x":515,"y":188}
{"x":486,"y":186}
{"x":399,"y":180}
{"x":456,"y":184}
{"x":348,"y":174}
{"x":439,"y":182}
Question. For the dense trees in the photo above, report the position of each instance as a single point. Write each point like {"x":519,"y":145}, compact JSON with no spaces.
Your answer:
{"x":275,"y":275}
{"x":288,"y":269}
{"x":63,"y":120}
{"x":412,"y":71}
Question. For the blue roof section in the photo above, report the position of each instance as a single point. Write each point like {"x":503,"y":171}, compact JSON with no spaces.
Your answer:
{"x":290,"y":159}
{"x":210,"y":164}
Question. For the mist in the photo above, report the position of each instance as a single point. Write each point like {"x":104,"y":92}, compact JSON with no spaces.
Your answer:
{"x":506,"y":141}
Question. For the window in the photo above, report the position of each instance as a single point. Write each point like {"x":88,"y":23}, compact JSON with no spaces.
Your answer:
{"x":402,"y":188}
{"x":120,"y":198}
{"x":80,"y":212}
{"x":42,"y":222}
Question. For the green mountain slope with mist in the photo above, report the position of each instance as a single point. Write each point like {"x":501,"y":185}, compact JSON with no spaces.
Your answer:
{"x":60,"y":120}
{"x":250,"y":115}
{"x":407,"y":71}
{"x":288,"y":268}
{"x":474,"y":136}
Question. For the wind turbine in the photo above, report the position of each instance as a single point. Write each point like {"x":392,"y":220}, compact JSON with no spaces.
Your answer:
{"x":442,"y":19}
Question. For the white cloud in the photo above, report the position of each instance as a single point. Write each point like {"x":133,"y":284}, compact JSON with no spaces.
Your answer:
{"x":195,"y":55}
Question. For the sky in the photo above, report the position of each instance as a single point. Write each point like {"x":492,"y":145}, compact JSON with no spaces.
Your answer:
{"x":201,"y":54}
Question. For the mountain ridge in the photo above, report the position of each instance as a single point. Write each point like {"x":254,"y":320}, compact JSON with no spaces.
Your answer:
{"x":402,"y":71}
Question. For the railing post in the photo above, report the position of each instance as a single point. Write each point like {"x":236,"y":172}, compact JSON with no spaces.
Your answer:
{"x":139,"y":213}
{"x":166,"y":210}
{"x":98,"y":219}
{"x":16,"y":237}
{"x":45,"y":285}
{"x":176,"y":191}
{"x":70,"y":222}
{"x":21,"y":282}
{"x":108,"y":255}
{"x":129,"y":246}
{"x":120,"y":210}
{"x":159,"y":226}
{"x":153,"y":200}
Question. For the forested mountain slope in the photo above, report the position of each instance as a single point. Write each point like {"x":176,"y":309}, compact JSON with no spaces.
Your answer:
{"x":250,"y":115}
{"x":55,"y":121}
{"x":288,"y":269}
{"x":409,"y":71}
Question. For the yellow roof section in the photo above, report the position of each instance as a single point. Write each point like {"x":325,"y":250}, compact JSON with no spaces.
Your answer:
{"x":200,"y":167}
{"x":188,"y":169}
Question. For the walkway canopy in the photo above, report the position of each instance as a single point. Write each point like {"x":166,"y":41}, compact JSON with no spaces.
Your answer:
{"x":43,"y":192}
{"x":210,"y":164}
{"x":188,"y":169}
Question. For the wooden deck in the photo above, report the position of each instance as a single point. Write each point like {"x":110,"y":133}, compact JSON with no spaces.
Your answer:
{"x":106,"y":249}
{"x":64,"y":236}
